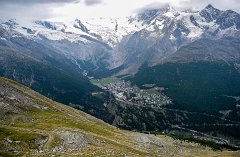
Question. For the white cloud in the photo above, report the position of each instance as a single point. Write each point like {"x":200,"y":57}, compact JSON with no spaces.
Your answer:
{"x":92,"y":2}
{"x":118,"y":8}
{"x":107,"y":8}
{"x":30,"y":2}
{"x":220,"y":4}
{"x":26,"y":11}
{"x":62,"y":10}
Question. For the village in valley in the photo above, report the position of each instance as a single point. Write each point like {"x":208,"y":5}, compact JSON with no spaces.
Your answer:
{"x":149,"y":95}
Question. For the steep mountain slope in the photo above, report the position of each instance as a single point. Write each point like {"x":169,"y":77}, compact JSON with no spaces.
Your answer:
{"x":33,"y":125}
{"x":225,"y":50}
{"x":166,"y":30}
{"x":76,"y":46}
{"x":44,"y":69}
{"x":201,"y":77}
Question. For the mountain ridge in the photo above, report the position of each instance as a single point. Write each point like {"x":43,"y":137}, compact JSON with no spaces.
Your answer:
{"x":162,"y":30}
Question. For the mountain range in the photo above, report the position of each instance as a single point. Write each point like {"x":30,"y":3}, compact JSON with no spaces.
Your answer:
{"x":193,"y":55}
{"x":149,"y":36}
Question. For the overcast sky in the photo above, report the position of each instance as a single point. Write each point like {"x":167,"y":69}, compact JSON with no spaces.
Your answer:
{"x":66,"y":10}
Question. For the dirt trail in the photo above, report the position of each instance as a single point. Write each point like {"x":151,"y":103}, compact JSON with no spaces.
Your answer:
{"x":50,"y":137}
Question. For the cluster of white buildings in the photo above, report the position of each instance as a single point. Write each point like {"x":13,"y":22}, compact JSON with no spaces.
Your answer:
{"x":145,"y":97}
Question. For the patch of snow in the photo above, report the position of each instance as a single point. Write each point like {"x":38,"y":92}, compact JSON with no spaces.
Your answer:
{"x":160,"y":24}
{"x":169,"y":14}
{"x":3,"y":38}
{"x":172,"y":38}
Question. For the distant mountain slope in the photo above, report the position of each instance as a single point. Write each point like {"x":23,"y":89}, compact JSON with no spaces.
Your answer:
{"x":33,"y":125}
{"x":225,"y":50}
{"x":75,"y":49}
{"x":166,"y":30}
{"x":47,"y":71}
{"x":128,"y":42}
{"x":203,"y":76}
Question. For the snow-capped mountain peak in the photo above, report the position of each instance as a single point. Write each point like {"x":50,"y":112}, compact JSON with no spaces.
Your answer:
{"x":190,"y":24}
{"x":60,"y":26}
{"x":10,"y":24}
{"x":210,"y":6}
{"x":78,"y":24}
{"x":148,"y":15}
{"x":210,"y":13}
{"x":159,"y":31}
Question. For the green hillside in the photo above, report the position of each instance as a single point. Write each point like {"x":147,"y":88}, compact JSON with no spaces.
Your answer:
{"x":196,"y":86}
{"x":33,"y":125}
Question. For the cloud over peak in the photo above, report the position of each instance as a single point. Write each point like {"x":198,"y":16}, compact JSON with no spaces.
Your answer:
{"x":27,"y":10}
{"x":30,"y":2}
{"x":93,"y":2}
